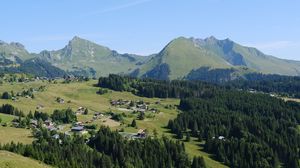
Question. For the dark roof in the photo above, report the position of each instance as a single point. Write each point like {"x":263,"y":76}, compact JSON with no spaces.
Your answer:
{"x":77,"y":128}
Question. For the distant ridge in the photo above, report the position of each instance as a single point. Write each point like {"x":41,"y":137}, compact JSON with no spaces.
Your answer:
{"x":184,"y":55}
{"x":182,"y":58}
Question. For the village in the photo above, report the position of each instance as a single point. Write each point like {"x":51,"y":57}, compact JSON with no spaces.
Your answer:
{"x":78,"y":127}
{"x":117,"y":115}
{"x":133,"y":106}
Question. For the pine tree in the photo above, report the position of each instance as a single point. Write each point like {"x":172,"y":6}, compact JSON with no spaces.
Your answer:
{"x":188,"y":137}
{"x":133,"y":123}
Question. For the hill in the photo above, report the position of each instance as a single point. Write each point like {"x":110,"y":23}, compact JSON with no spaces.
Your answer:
{"x":84,"y":94}
{"x":12,"y":160}
{"x":8,"y":134}
{"x":185,"y":55}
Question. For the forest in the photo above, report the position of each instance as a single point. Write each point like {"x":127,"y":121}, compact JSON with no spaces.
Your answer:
{"x":283,"y":85}
{"x":241,"y":129}
{"x":158,"y":88}
{"x":107,"y":149}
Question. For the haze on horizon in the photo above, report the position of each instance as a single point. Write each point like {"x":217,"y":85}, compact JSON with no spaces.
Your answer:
{"x":145,"y":26}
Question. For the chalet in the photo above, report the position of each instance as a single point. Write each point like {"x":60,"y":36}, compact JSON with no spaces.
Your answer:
{"x":114,"y":102}
{"x":15,"y":123}
{"x":80,"y":110}
{"x":142,"y":106}
{"x":78,"y":124}
{"x":48,"y":123}
{"x":61,"y":101}
{"x":78,"y":130}
{"x":39,"y":106}
{"x":140,"y":134}
{"x":33,"y":123}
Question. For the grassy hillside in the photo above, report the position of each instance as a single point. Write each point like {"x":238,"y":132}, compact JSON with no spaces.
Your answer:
{"x":6,"y":118}
{"x":181,"y":55}
{"x":267,"y":64}
{"x":12,"y":160}
{"x":8,"y":134}
{"x":84,"y":94}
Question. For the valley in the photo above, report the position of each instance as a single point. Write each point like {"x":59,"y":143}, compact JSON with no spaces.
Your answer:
{"x":84,"y":94}
{"x":150,"y":84}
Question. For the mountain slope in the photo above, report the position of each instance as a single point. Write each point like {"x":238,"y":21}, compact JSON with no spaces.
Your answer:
{"x":239,"y":55}
{"x":83,"y":55}
{"x":13,"y":52}
{"x":12,"y":55}
{"x":185,"y":55}
{"x":181,"y":56}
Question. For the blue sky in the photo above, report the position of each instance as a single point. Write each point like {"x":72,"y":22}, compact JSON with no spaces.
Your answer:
{"x":145,"y":26}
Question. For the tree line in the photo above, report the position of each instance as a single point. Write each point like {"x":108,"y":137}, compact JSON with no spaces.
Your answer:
{"x":107,"y":149}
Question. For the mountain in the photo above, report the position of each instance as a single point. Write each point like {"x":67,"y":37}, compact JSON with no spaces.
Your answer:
{"x":35,"y":66}
{"x":184,"y":57}
{"x":207,"y":59}
{"x":238,"y":55}
{"x":84,"y":56}
{"x":13,"y":53}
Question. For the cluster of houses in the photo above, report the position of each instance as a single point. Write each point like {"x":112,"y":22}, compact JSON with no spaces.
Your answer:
{"x":119,"y":102}
{"x":78,"y":127}
{"x":137,"y":106}
{"x":51,"y":126}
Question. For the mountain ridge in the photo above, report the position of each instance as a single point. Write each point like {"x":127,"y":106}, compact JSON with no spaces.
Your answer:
{"x":176,"y":60}
{"x":190,"y":54}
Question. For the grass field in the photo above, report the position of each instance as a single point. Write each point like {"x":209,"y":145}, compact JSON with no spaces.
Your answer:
{"x":8,"y":134}
{"x":6,"y":118}
{"x":83,"y":94}
{"x":12,"y":160}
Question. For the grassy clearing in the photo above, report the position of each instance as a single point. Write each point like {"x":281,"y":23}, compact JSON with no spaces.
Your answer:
{"x":12,"y":160}
{"x":83,"y":94}
{"x":8,"y":134}
{"x":6,"y":118}
{"x":291,"y":99}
